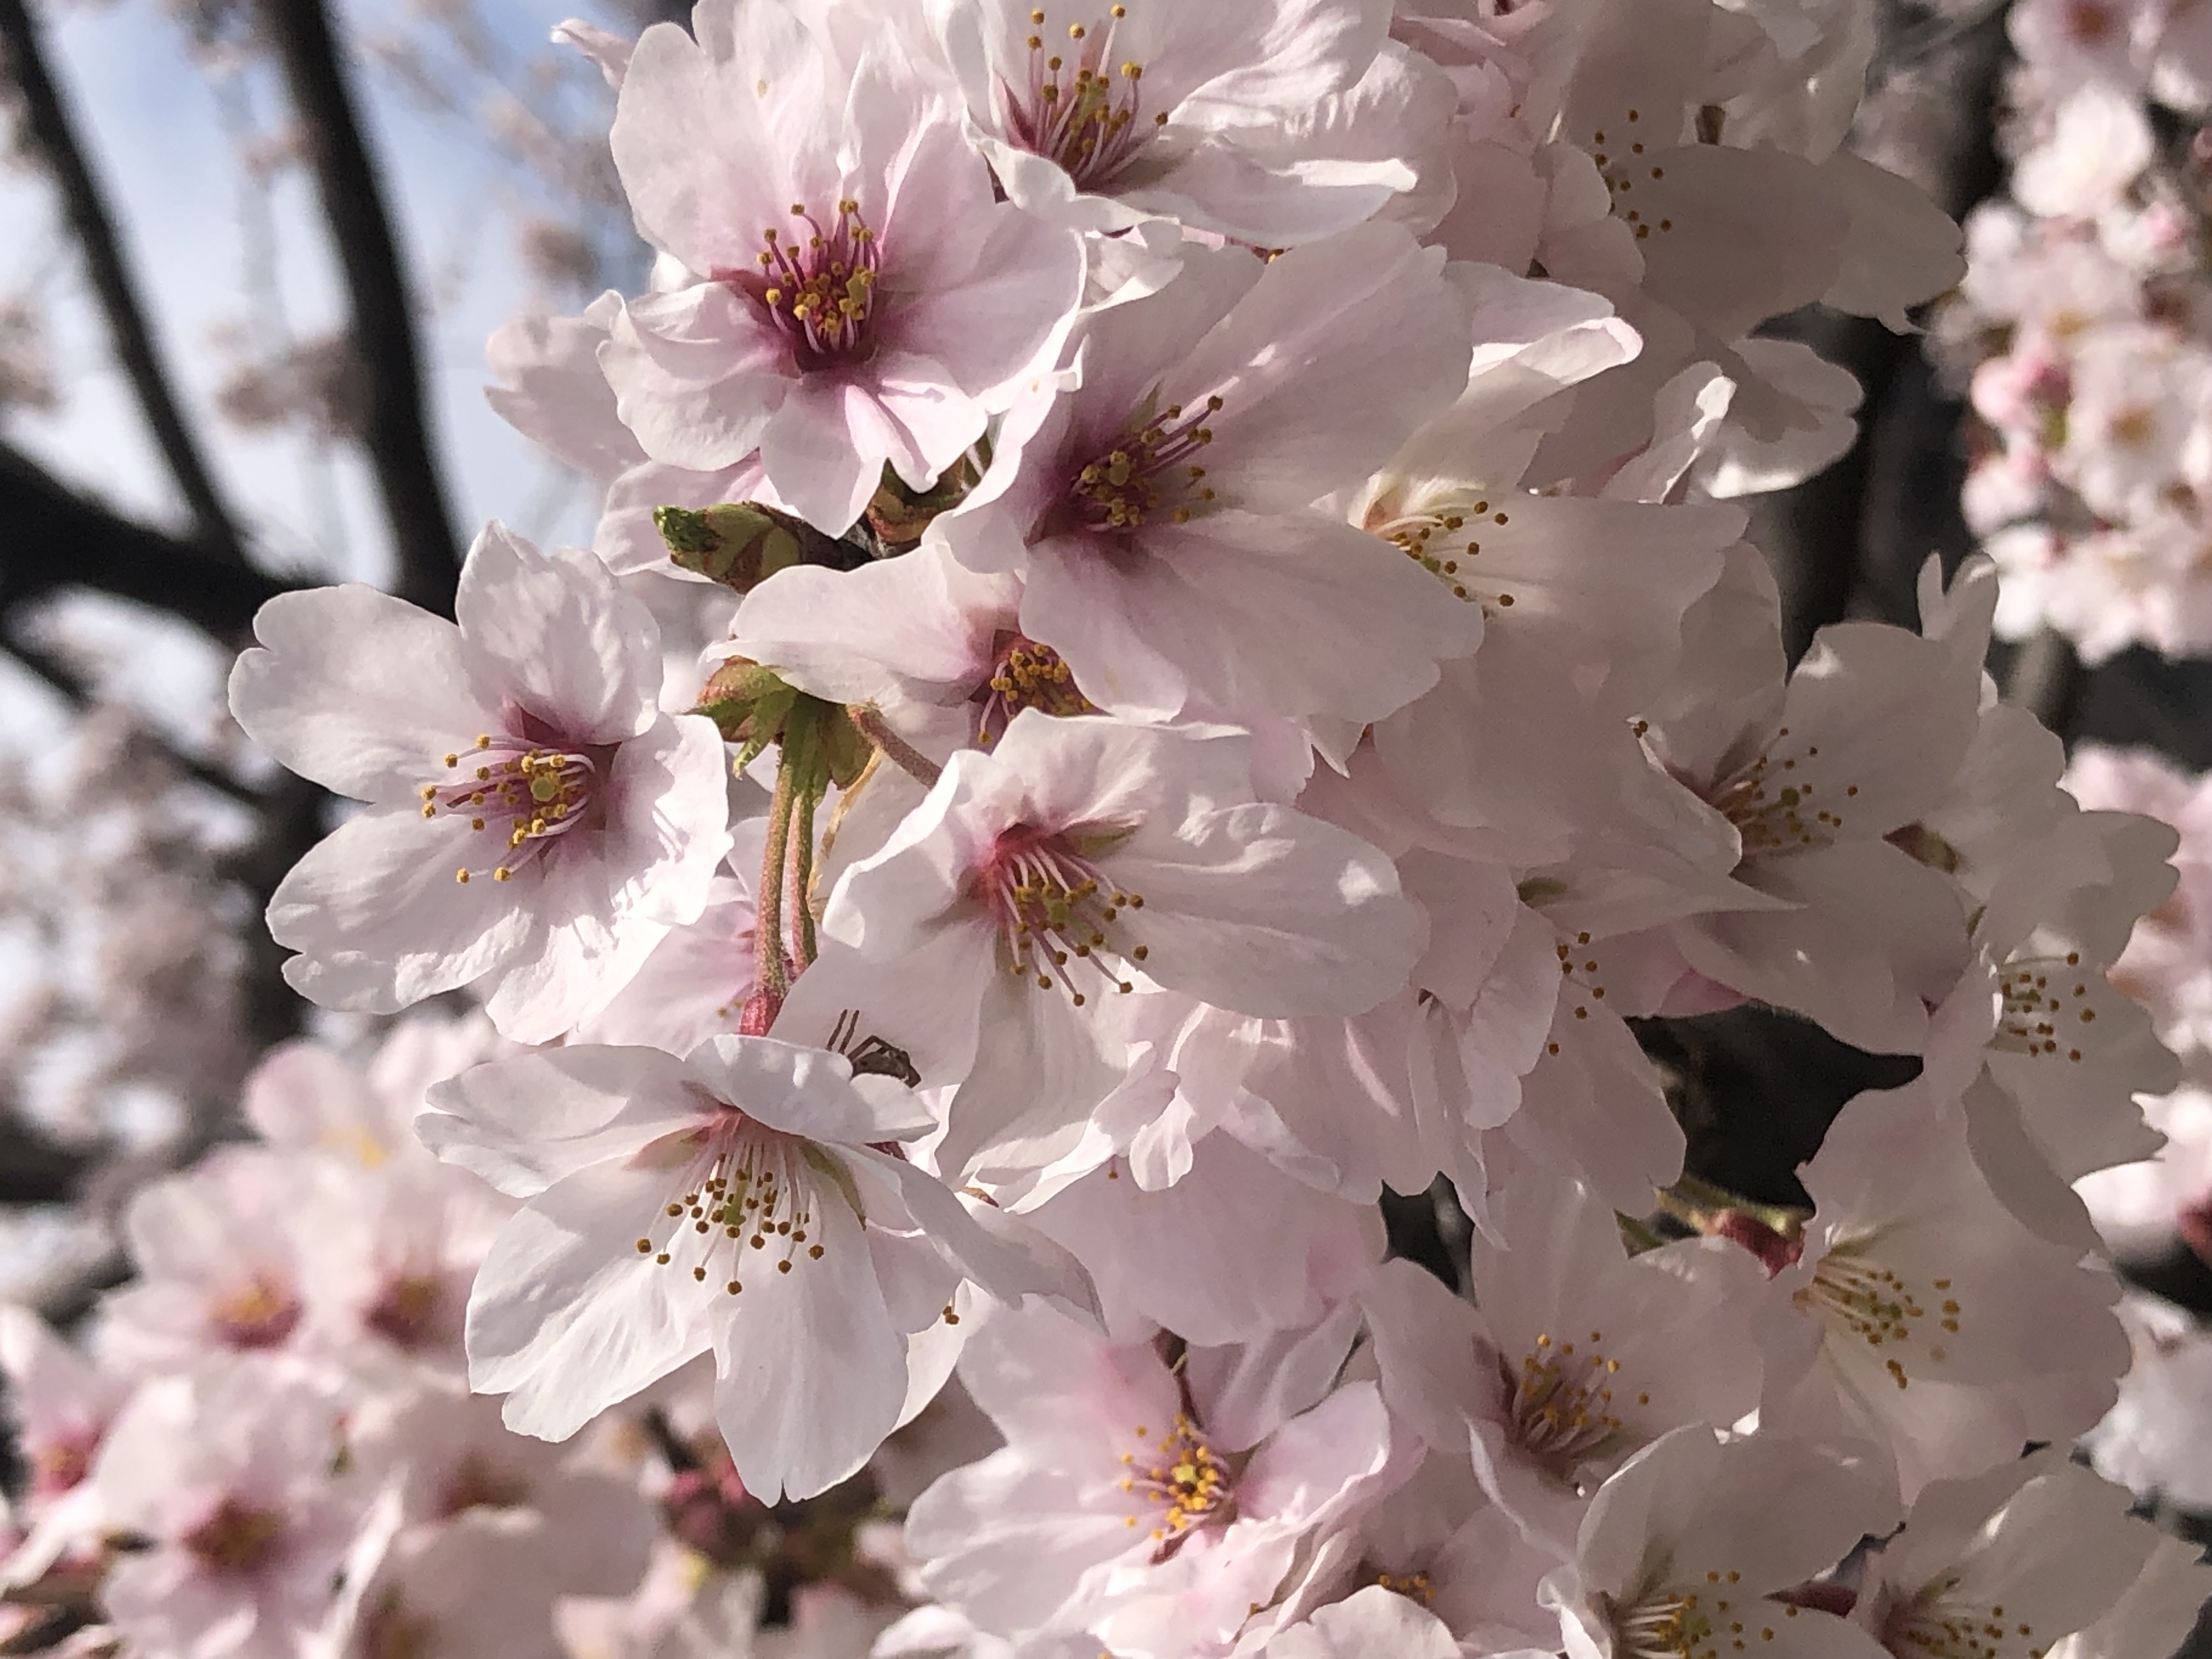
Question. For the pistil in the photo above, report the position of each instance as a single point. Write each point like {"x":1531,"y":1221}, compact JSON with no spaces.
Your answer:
{"x":523,"y":796}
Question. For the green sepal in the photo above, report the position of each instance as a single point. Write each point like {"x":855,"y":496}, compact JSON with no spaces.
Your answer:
{"x":1637,"y":1235}
{"x":749,"y":705}
{"x":739,"y":544}
{"x":845,"y":751}
{"x":898,"y":514}
{"x":754,"y":707}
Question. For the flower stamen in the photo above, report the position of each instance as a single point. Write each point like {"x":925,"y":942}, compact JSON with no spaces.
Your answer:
{"x":1053,"y":908}
{"x":525,"y":796}
{"x":1027,"y":675}
{"x":1082,"y":115}
{"x":1180,"y":1475}
{"x":818,"y":289}
{"x":745,"y":1188}
{"x":1151,"y":471}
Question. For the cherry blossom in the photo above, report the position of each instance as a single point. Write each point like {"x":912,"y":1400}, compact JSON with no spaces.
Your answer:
{"x":1131,"y":1521}
{"x":1083,"y":992}
{"x":1670,"y":1558}
{"x":2031,"y":1551}
{"x":533,"y":819}
{"x":1043,"y":877}
{"x":733,"y":1203}
{"x":1159,"y":512}
{"x":1918,"y":1313}
{"x":856,"y":298}
{"x":228,"y":1473}
{"x":1270,"y":122}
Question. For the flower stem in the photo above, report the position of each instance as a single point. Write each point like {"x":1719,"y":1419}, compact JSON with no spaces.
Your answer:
{"x":774,"y":972}
{"x":802,"y":876}
{"x":869,"y":723}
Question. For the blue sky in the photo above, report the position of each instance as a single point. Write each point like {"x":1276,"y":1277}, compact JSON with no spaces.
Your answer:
{"x":160,"y":144}
{"x":171,"y":170}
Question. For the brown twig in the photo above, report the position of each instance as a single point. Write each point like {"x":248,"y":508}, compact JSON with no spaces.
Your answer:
{"x":68,"y":684}
{"x":48,"y":122}
{"x":52,"y":537}
{"x":395,"y":431}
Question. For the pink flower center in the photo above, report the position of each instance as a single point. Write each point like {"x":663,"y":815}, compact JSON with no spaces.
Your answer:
{"x":1563,"y":1401}
{"x":478,"y":1483}
{"x":62,"y":1464}
{"x":1148,"y":473}
{"x":522,"y":796}
{"x":817,"y":286}
{"x":2090,"y":22}
{"x":261,"y":1314}
{"x":1027,"y":675}
{"x":1772,"y":811}
{"x":1054,"y":910}
{"x":2046,"y":1011}
{"x":1179,"y":1479}
{"x":406,"y":1311}
{"x":747,"y":1190}
{"x":1081,"y":114}
{"x":236,"y":1537}
{"x":390,"y":1631}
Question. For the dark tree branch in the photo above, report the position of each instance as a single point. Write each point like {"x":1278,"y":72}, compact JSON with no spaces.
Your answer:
{"x":67,"y":684}
{"x":33,"y":1169}
{"x":48,"y":122}
{"x":1851,"y":540}
{"x":52,"y":538}
{"x":396,"y":434}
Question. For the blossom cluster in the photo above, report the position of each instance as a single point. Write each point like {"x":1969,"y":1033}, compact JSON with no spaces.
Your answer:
{"x":2085,"y":328}
{"x":1168,"y":653}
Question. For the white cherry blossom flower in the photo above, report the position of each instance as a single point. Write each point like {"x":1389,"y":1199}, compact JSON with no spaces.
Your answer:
{"x":228,"y":1473}
{"x":733,"y":1203}
{"x":855,"y":297}
{"x":1575,"y":1355}
{"x":1081,"y":855}
{"x":1160,"y":511}
{"x":2006,"y":1563}
{"x":1917,"y":1312}
{"x":1269,"y":122}
{"x":228,"y":1251}
{"x":1683,"y":1550}
{"x":61,"y":1406}
{"x":1810,"y":785}
{"x":535,"y":824}
{"x":1113,"y":1509}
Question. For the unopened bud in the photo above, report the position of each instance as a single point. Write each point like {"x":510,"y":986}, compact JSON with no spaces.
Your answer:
{"x":749,"y":704}
{"x":738,"y":544}
{"x":898,"y":514}
{"x":1774,"y":1250}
